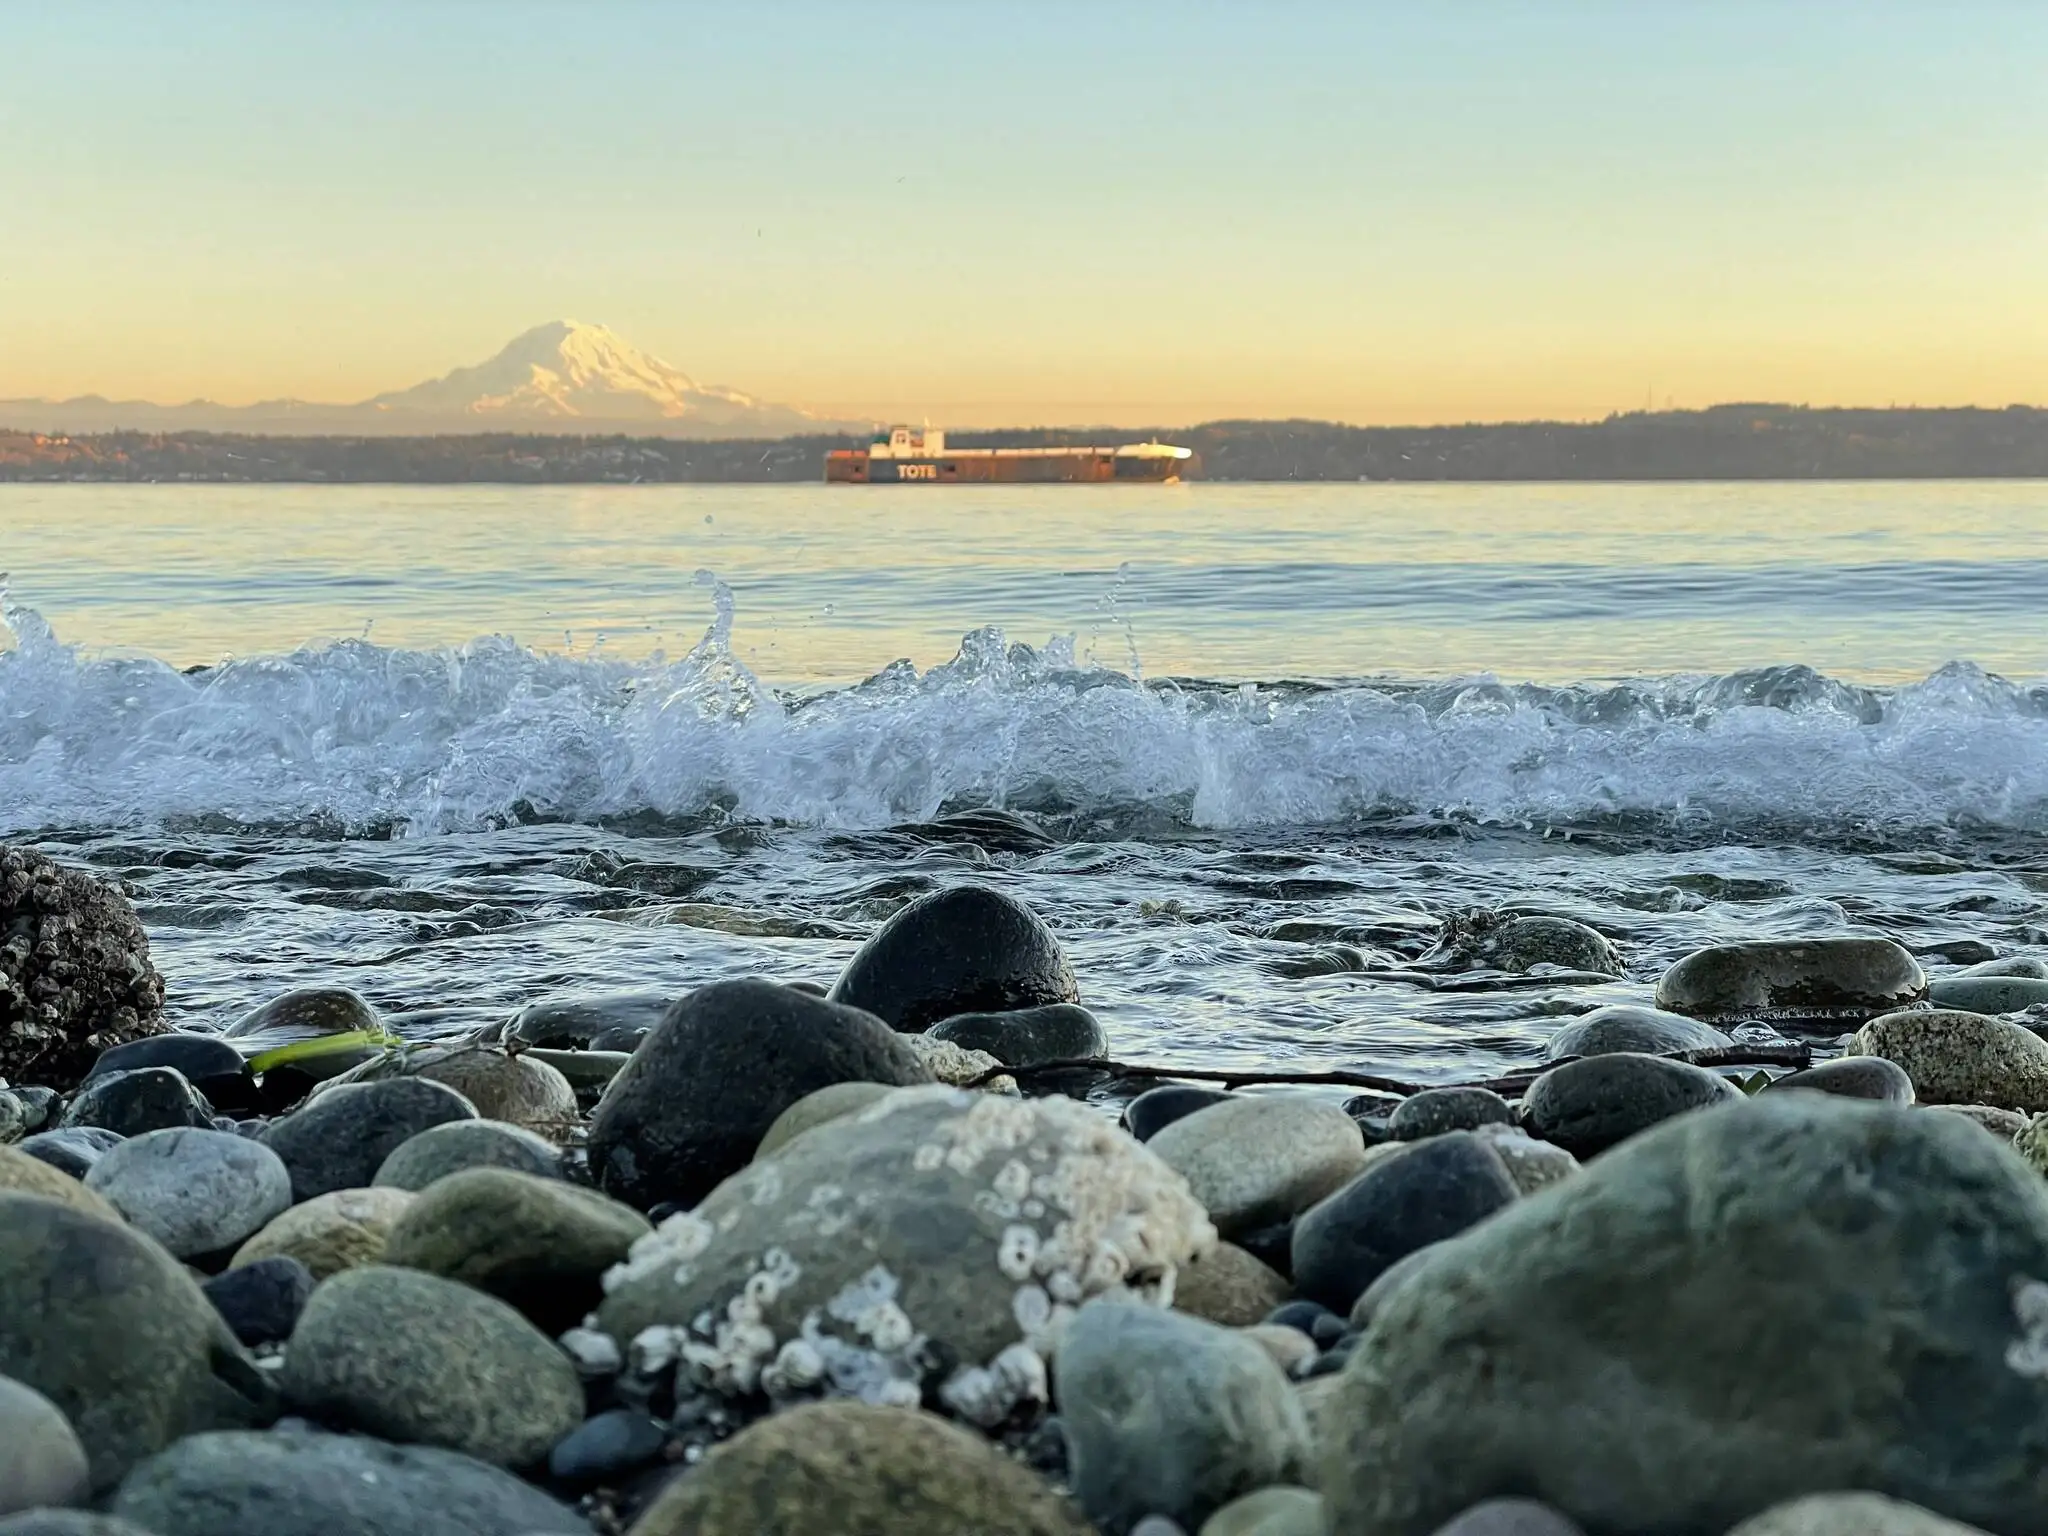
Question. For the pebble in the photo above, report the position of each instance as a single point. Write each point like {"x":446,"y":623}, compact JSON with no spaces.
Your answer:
{"x":1433,"y":1190}
{"x":1851,"y":1514}
{"x":208,"y":1062}
{"x":853,"y":1469}
{"x":73,"y":1151}
{"x":540,"y":1245}
{"x":1510,"y":1517}
{"x":967,"y":949}
{"x":1167,"y":1414}
{"x":517,"y":1090}
{"x":1229,"y":1286}
{"x":576,"y":1023}
{"x":690,"y":1109}
{"x":457,"y":1145}
{"x":340,"y":1138}
{"x":2005,"y":1124}
{"x":1988,"y":994}
{"x":2012,"y":965}
{"x":1158,"y":1525}
{"x":1156,"y":1108}
{"x":1961,"y":1058}
{"x":1022,"y":1037}
{"x":13,"y":1117}
{"x":1803,"y":1215}
{"x":1309,"y":1316}
{"x":414,"y":1358}
{"x":1532,"y":1164}
{"x":1277,"y":1511}
{"x":1852,"y":1077}
{"x":39,"y":1106}
{"x":825,"y":1105}
{"x":1258,"y":1159}
{"x":1589,"y":1105}
{"x":1793,"y":980}
{"x":133,"y":1103}
{"x":261,"y":1301}
{"x":311,"y":1016}
{"x":41,"y":1462}
{"x":303,"y":1483}
{"x":196,"y":1192}
{"x":332,"y":1232}
{"x":24,"y":1174}
{"x":1631,"y":1027}
{"x":606,"y":1445}
{"x":1437,"y":1110}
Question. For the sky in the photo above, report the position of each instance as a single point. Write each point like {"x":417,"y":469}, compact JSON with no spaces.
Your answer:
{"x":1002,"y":214}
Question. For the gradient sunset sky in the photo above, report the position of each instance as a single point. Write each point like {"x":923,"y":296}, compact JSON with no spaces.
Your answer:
{"x":1114,"y":212}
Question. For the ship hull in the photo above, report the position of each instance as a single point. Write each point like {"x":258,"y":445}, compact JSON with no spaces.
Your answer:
{"x":854,"y":467}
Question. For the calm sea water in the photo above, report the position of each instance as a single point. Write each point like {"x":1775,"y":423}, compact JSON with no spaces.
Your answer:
{"x":460,"y":747}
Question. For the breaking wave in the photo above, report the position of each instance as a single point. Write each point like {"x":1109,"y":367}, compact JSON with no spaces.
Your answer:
{"x":353,"y":738}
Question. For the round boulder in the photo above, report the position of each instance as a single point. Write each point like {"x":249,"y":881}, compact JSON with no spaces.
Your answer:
{"x":75,"y":976}
{"x":111,"y":1329}
{"x":1588,"y":1105}
{"x":1164,"y":1413}
{"x":1962,"y":1058}
{"x":692,"y":1105}
{"x":330,"y":1233}
{"x":1230,"y":1287}
{"x":540,"y":1245}
{"x":813,"y":1109}
{"x":576,"y":1023}
{"x":340,"y":1138}
{"x":964,"y":950}
{"x":857,"y":1470}
{"x":1437,"y":1110}
{"x":1630,"y":1027}
{"x":302,"y":1483}
{"x":196,"y":1192}
{"x":411,"y":1357}
{"x":1023,"y":1037}
{"x":1988,"y":994}
{"x":1502,"y":941}
{"x":23,"y":1173}
{"x":1563,"y":1349}
{"x":73,"y":1151}
{"x":330,"y":1021}
{"x":134,"y":1103}
{"x":1429,"y":1191}
{"x":1156,"y":1108}
{"x":938,"y":1227}
{"x":261,"y":1301}
{"x":518,"y":1090}
{"x":1260,"y":1159}
{"x":208,"y":1062}
{"x":1818,"y":981}
{"x":41,"y":1462}
{"x":457,"y":1145}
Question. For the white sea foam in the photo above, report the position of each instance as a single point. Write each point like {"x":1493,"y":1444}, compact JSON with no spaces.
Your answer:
{"x":357,"y":736}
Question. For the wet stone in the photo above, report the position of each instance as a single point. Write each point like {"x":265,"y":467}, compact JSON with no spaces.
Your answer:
{"x":606,"y":1445}
{"x":1988,"y":994}
{"x":2012,"y":965}
{"x":261,"y":1302}
{"x":133,"y":1103}
{"x":1437,"y":1110}
{"x":1261,"y":1158}
{"x":331,"y":1232}
{"x":819,"y":1108}
{"x":1961,"y":1058}
{"x":1629,"y":1027}
{"x":197,"y":1192}
{"x":1503,"y":941}
{"x":518,"y":1090}
{"x":1228,"y":1286}
{"x":967,"y":949}
{"x":208,"y":1062}
{"x":1589,"y":1105}
{"x":340,"y":1138}
{"x":1851,"y":1514}
{"x":2005,"y":1124}
{"x":577,"y":1023}
{"x":41,"y":1461}
{"x":1433,"y":1190}
{"x":1278,"y":1511}
{"x":459,"y":1145}
{"x":1852,"y":1077}
{"x":1157,"y":1108}
{"x":1023,"y":1037}
{"x":1822,"y":981}
{"x":23,"y":1174}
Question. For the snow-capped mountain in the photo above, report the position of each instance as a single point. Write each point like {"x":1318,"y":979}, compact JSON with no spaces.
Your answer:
{"x":563,"y":377}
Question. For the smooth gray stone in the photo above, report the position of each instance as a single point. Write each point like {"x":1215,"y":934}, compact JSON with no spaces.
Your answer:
{"x":1437,"y":1110}
{"x":1258,"y":1159}
{"x":574,"y":1023}
{"x":1510,"y":1517}
{"x":304,"y":1483}
{"x":1629,"y":1027}
{"x":458,"y":1145}
{"x":339,"y":1139}
{"x":1022,"y":1037}
{"x":1166,"y":1414}
{"x":1988,"y":994}
{"x":41,"y":1461}
{"x":1564,"y":1348}
{"x":2012,"y":965}
{"x":1961,"y":1058}
{"x":196,"y":1192}
{"x":1852,"y":1077}
{"x":967,"y":949}
{"x":134,"y":1103}
{"x":1517,"y":944}
{"x":1589,"y":1105}
{"x":1790,"y":980}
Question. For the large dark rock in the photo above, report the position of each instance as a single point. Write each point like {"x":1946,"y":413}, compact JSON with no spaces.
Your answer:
{"x":1822,"y":982}
{"x":112,"y":1329}
{"x":1156,"y":1108}
{"x":326,"y":1024}
{"x":261,"y":1302}
{"x":300,"y":1483}
{"x":208,"y":1062}
{"x":75,"y":976}
{"x":1504,"y":941}
{"x":1629,"y":1027}
{"x":1875,"y":1273}
{"x":1961,"y":1058}
{"x":1437,"y":1110}
{"x":1587,"y":1106}
{"x":964,"y":950}
{"x":1433,"y":1190}
{"x":341,"y":1137}
{"x":689,"y":1109}
{"x":135,"y":1103}
{"x":578,"y":1023}
{"x":1023,"y":1037}
{"x":1988,"y":994}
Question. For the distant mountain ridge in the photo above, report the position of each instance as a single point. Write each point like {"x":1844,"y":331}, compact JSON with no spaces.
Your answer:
{"x":565,"y":376}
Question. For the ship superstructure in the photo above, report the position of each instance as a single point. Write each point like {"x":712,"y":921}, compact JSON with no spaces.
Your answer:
{"x":919,"y":456}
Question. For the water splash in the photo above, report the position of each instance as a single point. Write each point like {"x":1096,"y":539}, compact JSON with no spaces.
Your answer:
{"x":369,"y":739}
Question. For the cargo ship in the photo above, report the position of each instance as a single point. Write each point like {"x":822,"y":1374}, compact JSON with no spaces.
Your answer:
{"x":914,"y":456}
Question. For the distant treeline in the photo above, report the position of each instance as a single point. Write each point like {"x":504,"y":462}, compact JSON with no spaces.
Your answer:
{"x":1725,"y":442}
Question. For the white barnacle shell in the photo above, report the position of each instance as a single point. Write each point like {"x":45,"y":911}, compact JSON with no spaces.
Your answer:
{"x":1013,"y":1182}
{"x":1017,"y":1252}
{"x":2028,"y":1354}
{"x":653,"y":1350}
{"x":797,"y":1367}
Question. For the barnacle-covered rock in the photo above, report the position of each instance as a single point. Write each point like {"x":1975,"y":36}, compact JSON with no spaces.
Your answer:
{"x":75,"y":976}
{"x":1503,"y":941}
{"x":911,"y":1244}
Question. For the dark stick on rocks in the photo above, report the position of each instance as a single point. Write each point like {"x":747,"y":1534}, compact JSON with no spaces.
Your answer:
{"x":1795,"y":1055}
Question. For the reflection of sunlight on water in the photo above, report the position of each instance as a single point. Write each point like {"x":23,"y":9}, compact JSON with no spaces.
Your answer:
{"x":1878,"y":581}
